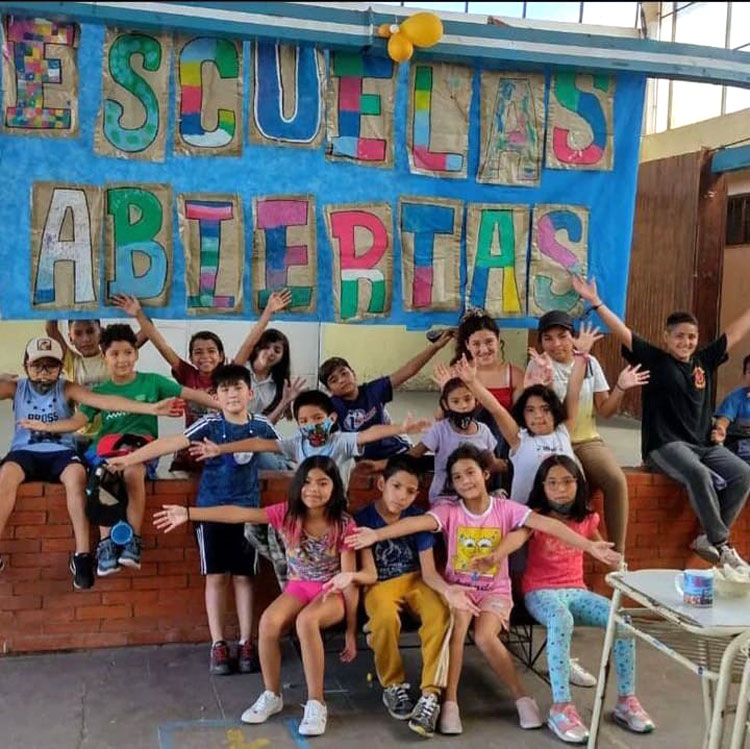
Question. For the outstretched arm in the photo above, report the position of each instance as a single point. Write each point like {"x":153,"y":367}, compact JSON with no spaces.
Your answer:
{"x":513,"y":541}
{"x":456,"y":596}
{"x":88,"y":397}
{"x":73,"y":424}
{"x":587,"y":290}
{"x":173,"y":516}
{"x":362,"y":537}
{"x":412,"y":367}
{"x":199,"y":396}
{"x":276,"y":302}
{"x":738,"y":329}
{"x":207,"y":449}
{"x":381,"y":431}
{"x":155,"y":449}
{"x":608,"y":404}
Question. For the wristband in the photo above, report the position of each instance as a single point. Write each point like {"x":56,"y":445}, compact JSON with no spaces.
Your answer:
{"x":596,"y":307}
{"x":187,"y":507}
{"x":619,"y":387}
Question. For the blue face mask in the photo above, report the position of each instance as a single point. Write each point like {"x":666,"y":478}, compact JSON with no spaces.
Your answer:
{"x":562,"y":509}
{"x":317,"y":434}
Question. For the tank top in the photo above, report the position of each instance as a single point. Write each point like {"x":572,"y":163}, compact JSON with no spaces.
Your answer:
{"x":45,"y":407}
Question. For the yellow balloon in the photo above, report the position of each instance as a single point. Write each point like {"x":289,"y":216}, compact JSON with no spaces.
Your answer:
{"x":422,"y":29}
{"x":400,"y":49}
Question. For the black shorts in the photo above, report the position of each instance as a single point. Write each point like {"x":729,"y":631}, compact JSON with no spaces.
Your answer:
{"x":42,"y":466}
{"x":224,"y":548}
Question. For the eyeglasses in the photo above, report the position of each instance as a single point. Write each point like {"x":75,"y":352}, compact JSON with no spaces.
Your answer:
{"x":37,"y":367}
{"x":560,"y":483}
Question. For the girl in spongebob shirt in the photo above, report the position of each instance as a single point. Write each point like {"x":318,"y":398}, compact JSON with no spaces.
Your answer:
{"x":473,"y":524}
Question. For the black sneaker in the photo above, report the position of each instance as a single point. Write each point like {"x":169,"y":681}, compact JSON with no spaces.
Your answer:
{"x":425,"y":715}
{"x":247,"y":658}
{"x":398,"y":701}
{"x":220,"y":665}
{"x":82,"y":569}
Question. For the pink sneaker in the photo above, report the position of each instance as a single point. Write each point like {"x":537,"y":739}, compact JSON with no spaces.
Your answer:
{"x":567,"y":725}
{"x":528,"y":713}
{"x":629,"y":714}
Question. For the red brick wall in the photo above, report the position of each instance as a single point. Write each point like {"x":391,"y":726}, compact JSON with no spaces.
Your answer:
{"x":163,"y":602}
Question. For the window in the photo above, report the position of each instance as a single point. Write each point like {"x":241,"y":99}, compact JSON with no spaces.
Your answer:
{"x":738,"y":219}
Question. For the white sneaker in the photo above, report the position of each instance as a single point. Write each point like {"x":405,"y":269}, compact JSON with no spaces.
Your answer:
{"x":705,"y":549}
{"x":263,"y":708}
{"x":729,"y":555}
{"x":579,"y":675}
{"x":314,"y":720}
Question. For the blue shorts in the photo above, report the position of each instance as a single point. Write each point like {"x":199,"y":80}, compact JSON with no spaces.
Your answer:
{"x":42,"y":465}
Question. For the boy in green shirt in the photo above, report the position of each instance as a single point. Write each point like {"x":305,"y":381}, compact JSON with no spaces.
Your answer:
{"x":119,"y":346}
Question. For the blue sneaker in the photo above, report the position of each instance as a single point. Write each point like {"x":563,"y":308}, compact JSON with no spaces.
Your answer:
{"x":130,"y":554}
{"x":106,"y":554}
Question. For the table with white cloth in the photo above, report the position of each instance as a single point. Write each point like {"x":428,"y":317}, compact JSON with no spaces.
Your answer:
{"x":711,"y":642}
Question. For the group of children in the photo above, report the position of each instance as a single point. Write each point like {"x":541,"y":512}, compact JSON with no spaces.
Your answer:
{"x":532,"y":431}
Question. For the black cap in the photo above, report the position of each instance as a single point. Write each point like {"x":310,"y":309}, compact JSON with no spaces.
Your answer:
{"x":556,"y":318}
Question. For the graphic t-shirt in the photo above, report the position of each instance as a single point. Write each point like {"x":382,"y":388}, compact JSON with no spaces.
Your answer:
{"x":88,"y":371}
{"x":46,"y":408}
{"x":341,"y":448}
{"x":368,"y":410}
{"x":229,"y":479}
{"x":145,"y":387}
{"x":677,"y":397}
{"x":468,"y":535}
{"x":551,"y":563}
{"x":312,"y":559}
{"x":188,"y":376}
{"x":443,"y":439}
{"x":395,"y":556}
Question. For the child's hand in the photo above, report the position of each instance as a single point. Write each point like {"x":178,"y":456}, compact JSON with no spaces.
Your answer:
{"x":32,"y":425}
{"x":8,"y":377}
{"x":588,"y":335}
{"x":632,"y":377}
{"x":413,"y":426}
{"x":360,"y":538}
{"x":293,"y":389}
{"x":204,"y":450}
{"x":466,"y":370}
{"x":278,"y":300}
{"x":349,"y":653}
{"x":458,"y":599}
{"x":127,"y":303}
{"x":169,"y":407}
{"x":118,"y":465}
{"x":337,"y":583}
{"x":170,"y":517}
{"x":445,"y":338}
{"x":585,"y":289}
{"x":441,"y":374}
{"x":603,"y":551}
{"x":540,"y":370}
{"x":484,"y":563}
{"x":718,"y":433}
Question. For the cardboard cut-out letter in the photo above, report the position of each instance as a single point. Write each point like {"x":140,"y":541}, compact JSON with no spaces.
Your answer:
{"x":512,"y":128}
{"x":559,"y":247}
{"x":431,"y":253}
{"x":361,"y":94}
{"x":138,"y":242}
{"x":288,"y":95}
{"x":132,"y":120}
{"x":284,"y":250}
{"x":40,"y":77}
{"x":65,"y":242}
{"x":360,"y":237}
{"x":213,"y":236}
{"x":580,"y":123}
{"x":497,"y":240}
{"x":209,"y":93}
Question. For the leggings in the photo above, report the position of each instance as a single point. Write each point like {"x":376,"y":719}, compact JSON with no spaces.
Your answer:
{"x":558,"y":610}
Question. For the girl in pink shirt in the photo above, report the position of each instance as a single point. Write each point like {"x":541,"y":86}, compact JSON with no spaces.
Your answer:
{"x":556,"y":596}
{"x":473,"y":525}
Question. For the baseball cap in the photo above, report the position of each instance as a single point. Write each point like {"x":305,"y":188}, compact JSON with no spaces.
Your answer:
{"x":555,"y":318}
{"x":43,"y":348}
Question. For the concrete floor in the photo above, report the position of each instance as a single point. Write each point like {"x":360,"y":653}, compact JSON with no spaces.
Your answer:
{"x":163,"y":698}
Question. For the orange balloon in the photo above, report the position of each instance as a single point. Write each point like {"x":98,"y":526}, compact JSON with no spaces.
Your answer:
{"x":400,"y":49}
{"x":422,"y":29}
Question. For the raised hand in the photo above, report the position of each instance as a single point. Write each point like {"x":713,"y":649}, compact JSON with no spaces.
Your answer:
{"x":127,"y":303}
{"x":585,"y":289}
{"x":588,"y":335}
{"x":293,"y":389}
{"x":441,"y":374}
{"x":458,"y":599}
{"x":170,"y":517}
{"x":633,"y":377}
{"x":603,"y":551}
{"x":445,"y":338}
{"x":466,"y":370}
{"x":170,"y":407}
{"x":361,"y":538}
{"x":204,"y":450}
{"x":540,"y":370}
{"x":411,"y":425}
{"x":278,"y":300}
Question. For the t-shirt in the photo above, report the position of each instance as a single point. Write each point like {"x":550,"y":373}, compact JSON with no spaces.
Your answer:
{"x":594,"y":381}
{"x":87,"y":371}
{"x":229,"y":479}
{"x":468,"y":536}
{"x":677,"y":398}
{"x":341,"y":448}
{"x":736,"y":408}
{"x":264,"y":392}
{"x":188,"y":376}
{"x":49,"y":407}
{"x":530,"y":454}
{"x":551,"y":563}
{"x":443,"y":439}
{"x":145,"y":387}
{"x":368,"y":410}
{"x":312,"y":559}
{"x":395,"y":556}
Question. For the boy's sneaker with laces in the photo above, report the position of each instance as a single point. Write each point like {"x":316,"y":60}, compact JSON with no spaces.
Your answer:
{"x":567,"y":725}
{"x":314,"y":719}
{"x":528,"y":713}
{"x":82,"y":569}
{"x":630,"y":714}
{"x":705,"y":549}
{"x":579,"y":675}
{"x":219,"y":664}
{"x":398,"y":701}
{"x":450,"y":719}
{"x":263,"y":708}
{"x":728,"y":555}
{"x":130,"y":554}
{"x":106,"y":554}
{"x":247,"y":658}
{"x":425,"y":715}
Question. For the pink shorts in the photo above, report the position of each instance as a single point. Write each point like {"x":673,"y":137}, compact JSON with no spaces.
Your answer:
{"x":494,"y":603}
{"x":305,"y":590}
